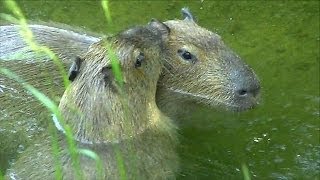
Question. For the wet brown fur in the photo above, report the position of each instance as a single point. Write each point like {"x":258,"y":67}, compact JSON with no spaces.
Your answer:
{"x":107,"y":117}
{"x":212,"y":80}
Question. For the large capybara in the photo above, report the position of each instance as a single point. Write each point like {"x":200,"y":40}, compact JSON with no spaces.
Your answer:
{"x":197,"y":68}
{"x":107,"y":117}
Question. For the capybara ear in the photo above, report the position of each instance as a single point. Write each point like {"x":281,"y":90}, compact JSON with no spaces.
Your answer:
{"x":74,"y":69}
{"x":186,"y":14}
{"x":108,"y":76}
{"x":160,"y":27}
{"x":107,"y":72}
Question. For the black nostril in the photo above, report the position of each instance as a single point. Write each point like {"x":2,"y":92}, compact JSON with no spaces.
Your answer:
{"x":242,"y":92}
{"x":248,"y":92}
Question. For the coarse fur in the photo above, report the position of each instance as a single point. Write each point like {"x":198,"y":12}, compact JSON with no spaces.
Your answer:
{"x":197,"y":68}
{"x":107,"y":117}
{"x":215,"y":75}
{"x":217,"y":78}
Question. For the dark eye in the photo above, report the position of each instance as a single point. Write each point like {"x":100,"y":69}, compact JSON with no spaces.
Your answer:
{"x":139,"y":60}
{"x":186,"y":55}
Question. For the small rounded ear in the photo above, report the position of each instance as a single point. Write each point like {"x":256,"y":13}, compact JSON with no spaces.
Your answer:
{"x":109,"y":78}
{"x":186,"y":14}
{"x":160,"y":27}
{"x":107,"y":73}
{"x":74,"y":69}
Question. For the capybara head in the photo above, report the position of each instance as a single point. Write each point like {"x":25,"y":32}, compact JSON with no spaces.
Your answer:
{"x":97,"y":105}
{"x":199,"y":66}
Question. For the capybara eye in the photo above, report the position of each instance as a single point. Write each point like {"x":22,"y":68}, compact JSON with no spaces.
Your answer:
{"x":186,"y":55}
{"x":139,"y":60}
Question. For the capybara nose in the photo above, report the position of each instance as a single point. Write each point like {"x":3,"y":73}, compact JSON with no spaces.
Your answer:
{"x":251,"y":91}
{"x":247,"y":85}
{"x":246,"y":90}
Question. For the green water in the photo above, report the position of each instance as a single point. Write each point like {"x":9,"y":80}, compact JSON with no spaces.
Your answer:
{"x":278,"y":39}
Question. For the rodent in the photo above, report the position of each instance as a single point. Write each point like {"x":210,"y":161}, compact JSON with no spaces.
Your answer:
{"x":214,"y":76}
{"x":198,"y":68}
{"x":201,"y":69}
{"x":110,"y":116}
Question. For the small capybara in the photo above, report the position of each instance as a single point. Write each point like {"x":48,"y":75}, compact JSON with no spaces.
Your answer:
{"x":110,"y":117}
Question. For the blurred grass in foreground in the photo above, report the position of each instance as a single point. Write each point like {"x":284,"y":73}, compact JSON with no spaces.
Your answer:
{"x":245,"y":171}
{"x":27,"y":35}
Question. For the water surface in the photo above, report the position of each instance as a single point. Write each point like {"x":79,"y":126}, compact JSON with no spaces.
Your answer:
{"x":278,"y":39}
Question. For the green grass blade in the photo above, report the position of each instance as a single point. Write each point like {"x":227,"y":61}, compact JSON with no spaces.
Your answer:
{"x":41,"y":97}
{"x":73,"y":150}
{"x":55,"y":152}
{"x":105,"y":6}
{"x":1,"y":176}
{"x":49,"y":105}
{"x":116,"y":70}
{"x":27,"y":35}
{"x":245,"y":171}
{"x":120,"y":163}
{"x":94,"y":156}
